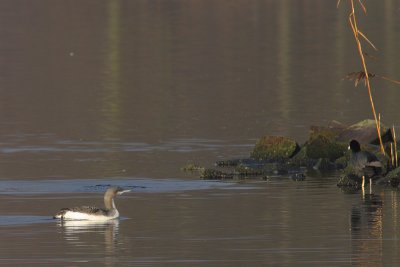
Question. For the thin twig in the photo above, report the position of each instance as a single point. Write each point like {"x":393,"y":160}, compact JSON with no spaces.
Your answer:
{"x":388,"y":79}
{"x":396,"y":163}
{"x":379,"y":123}
{"x":362,"y":6}
{"x":368,"y":41}
{"x":363,"y":186}
{"x":359,"y":76}
{"x":391,"y":154}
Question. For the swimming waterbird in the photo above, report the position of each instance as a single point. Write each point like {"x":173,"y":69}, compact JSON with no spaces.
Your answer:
{"x":94,"y":213}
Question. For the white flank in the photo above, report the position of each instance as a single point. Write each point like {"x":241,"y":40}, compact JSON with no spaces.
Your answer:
{"x":72,"y":215}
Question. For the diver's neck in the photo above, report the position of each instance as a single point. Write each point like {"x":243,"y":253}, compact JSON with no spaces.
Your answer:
{"x":109,"y":203}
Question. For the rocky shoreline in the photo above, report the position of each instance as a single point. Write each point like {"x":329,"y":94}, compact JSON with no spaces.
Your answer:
{"x":325,"y":150}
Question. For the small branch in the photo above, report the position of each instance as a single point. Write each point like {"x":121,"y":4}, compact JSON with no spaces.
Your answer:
{"x":391,"y":154}
{"x":362,"y":6}
{"x":388,"y":79}
{"x":368,"y":41}
{"x":395,"y":147}
{"x":359,"y":76}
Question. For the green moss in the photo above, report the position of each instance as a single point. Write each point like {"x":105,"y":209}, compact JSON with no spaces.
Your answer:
{"x":274,"y":148}
{"x":365,"y":123}
{"x":301,"y":159}
{"x":315,"y":132}
{"x":394,"y":173}
{"x":227,"y":163}
{"x":324,"y":164}
{"x":392,"y":178}
{"x":346,"y":181}
{"x":192,"y":168}
{"x":243,"y":170}
{"x":322,"y":146}
{"x":342,"y":162}
{"x":212,"y":174}
{"x":365,"y":132}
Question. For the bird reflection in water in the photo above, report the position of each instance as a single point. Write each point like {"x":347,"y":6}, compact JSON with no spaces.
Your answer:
{"x":366,"y":230}
{"x":73,"y":227}
{"x":79,"y":233}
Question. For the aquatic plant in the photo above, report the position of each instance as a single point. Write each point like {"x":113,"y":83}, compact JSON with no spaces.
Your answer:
{"x":364,"y":74}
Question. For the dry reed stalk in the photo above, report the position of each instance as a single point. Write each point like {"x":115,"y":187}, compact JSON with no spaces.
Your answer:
{"x":391,"y":154}
{"x":379,"y":123}
{"x":357,"y":33}
{"x":363,"y":186}
{"x":395,"y":147}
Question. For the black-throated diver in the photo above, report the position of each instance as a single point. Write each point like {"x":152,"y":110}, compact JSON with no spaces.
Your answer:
{"x":94,"y":213}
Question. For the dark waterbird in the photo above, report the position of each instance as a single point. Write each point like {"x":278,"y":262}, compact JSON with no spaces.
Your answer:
{"x":364,"y":163}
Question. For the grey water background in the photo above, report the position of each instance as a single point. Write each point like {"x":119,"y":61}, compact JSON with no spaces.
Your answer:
{"x":94,"y":93}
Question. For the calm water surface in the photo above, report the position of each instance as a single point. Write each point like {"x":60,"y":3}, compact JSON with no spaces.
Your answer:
{"x":94,"y":93}
{"x":279,"y":222}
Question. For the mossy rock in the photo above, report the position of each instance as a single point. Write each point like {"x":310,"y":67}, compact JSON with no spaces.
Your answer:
{"x":330,"y":132}
{"x":322,"y":146}
{"x":394,"y":182}
{"x":212,"y":174}
{"x":243,"y":170}
{"x":192,"y":168}
{"x":298,"y":176}
{"x":392,"y":178}
{"x":274,"y":148}
{"x":324,"y":164}
{"x":394,"y":173}
{"x":385,"y":162}
{"x":228,"y":163}
{"x":277,"y":168}
{"x":301,"y":159}
{"x":342,"y":162}
{"x":365,"y":132}
{"x":346,"y":180}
